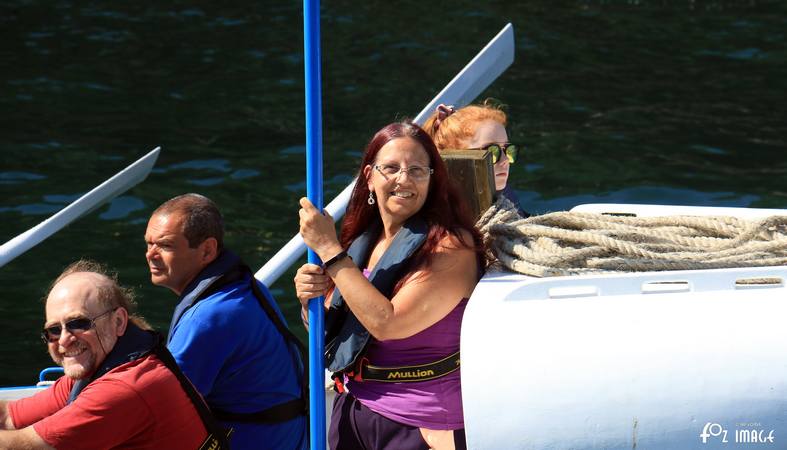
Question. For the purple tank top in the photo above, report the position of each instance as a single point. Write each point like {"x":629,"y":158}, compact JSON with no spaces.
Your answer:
{"x":434,"y":404}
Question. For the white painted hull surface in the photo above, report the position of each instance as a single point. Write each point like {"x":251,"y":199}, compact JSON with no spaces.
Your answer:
{"x":653,"y":360}
{"x":15,"y":393}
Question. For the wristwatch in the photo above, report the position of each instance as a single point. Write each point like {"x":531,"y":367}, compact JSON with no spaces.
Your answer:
{"x":340,"y":256}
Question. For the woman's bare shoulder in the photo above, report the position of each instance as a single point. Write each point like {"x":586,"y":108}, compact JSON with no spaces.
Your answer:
{"x":453,"y":254}
{"x":451,"y":243}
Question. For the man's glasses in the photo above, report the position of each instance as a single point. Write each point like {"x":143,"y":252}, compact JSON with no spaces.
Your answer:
{"x":511,"y":151}
{"x":74,"y":326}
{"x":416,"y":173}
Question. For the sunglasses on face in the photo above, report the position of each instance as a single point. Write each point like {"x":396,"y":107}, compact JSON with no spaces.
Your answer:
{"x":511,"y":151}
{"x":74,"y":326}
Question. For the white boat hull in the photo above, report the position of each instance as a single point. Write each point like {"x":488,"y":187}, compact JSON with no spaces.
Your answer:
{"x":654,"y":360}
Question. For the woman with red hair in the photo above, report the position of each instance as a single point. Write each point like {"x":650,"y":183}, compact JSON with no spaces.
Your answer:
{"x":480,"y":127}
{"x":401,"y":272}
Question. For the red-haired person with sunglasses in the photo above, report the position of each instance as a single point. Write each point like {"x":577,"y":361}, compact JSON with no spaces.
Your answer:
{"x":478,"y":127}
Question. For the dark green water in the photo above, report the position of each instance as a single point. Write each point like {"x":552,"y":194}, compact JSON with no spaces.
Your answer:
{"x":678,"y":102}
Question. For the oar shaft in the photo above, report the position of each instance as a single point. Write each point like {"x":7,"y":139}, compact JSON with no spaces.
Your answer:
{"x":311,"y":41}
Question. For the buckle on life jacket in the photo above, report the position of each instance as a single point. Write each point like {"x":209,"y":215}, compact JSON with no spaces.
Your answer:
{"x":408,"y":374}
{"x":338,"y":382}
{"x":354,"y":374}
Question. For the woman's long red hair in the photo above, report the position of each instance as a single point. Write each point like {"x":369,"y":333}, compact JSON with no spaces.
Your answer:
{"x":445,"y":211}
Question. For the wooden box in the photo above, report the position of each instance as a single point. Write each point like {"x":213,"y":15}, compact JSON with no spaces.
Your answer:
{"x":473,"y":174}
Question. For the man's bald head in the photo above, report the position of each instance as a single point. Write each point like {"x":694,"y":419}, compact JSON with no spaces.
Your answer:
{"x":108,"y":293}
{"x":86,"y":314}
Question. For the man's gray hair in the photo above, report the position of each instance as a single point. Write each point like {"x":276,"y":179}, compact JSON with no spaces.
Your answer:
{"x":110,"y":294}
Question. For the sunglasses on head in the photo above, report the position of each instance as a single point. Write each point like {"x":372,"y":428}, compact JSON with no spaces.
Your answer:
{"x":511,"y":151}
{"x":74,"y":326}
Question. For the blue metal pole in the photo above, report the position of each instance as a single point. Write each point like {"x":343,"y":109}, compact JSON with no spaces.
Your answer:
{"x":311,"y":44}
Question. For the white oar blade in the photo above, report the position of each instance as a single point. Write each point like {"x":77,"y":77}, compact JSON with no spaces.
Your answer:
{"x":121,"y":182}
{"x":476,"y":76}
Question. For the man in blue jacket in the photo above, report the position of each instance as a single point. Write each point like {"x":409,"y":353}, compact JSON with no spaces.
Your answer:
{"x":227,"y":333}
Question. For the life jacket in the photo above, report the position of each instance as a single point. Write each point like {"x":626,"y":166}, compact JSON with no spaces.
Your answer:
{"x":137,"y":343}
{"x":509,"y":193}
{"x":228,"y":268}
{"x":346,"y":339}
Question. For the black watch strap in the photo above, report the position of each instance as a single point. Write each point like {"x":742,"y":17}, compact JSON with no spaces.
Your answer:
{"x":340,"y":256}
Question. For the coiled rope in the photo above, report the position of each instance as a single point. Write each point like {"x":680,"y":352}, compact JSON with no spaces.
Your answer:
{"x":571,"y":243}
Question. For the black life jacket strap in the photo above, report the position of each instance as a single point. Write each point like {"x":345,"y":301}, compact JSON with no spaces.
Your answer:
{"x":302,"y":404}
{"x":218,"y":436}
{"x":287,"y":410}
{"x":236,"y":275}
{"x":278,"y":413}
{"x":275,"y":414}
{"x":408,"y":374}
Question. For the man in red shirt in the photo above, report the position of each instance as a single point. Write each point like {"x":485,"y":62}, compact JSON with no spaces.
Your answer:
{"x":117,"y":391}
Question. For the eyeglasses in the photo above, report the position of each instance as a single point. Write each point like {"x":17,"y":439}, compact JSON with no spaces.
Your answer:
{"x":74,"y":326}
{"x":511,"y":151}
{"x":416,"y":173}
